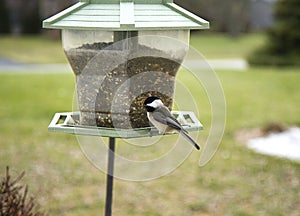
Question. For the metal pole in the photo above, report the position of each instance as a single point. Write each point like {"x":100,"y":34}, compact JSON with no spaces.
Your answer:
{"x":110,"y":176}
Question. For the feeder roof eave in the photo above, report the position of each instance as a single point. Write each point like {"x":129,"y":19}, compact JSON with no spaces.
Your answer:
{"x":125,"y":16}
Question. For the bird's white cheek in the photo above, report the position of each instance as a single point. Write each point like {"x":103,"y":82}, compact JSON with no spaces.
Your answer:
{"x":148,"y":115}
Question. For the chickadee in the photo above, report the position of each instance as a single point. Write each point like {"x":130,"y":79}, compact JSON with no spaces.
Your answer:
{"x":161,"y":118}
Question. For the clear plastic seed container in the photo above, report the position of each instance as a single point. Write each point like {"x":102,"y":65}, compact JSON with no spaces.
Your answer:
{"x":117,"y":70}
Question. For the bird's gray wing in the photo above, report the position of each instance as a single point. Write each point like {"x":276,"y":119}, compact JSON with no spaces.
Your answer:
{"x":164,"y":116}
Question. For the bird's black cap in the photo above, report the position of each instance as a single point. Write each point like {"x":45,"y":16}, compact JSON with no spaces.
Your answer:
{"x":150,"y":100}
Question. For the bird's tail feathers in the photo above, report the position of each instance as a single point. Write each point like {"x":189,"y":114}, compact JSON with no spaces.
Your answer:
{"x":188,"y":138}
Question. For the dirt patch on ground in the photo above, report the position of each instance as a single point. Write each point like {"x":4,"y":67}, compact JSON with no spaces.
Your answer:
{"x":243,"y":135}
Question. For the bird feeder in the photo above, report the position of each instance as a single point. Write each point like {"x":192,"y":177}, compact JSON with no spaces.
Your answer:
{"x":120,"y":52}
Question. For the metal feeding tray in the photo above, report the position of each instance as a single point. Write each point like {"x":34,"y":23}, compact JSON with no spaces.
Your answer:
{"x":67,"y":122}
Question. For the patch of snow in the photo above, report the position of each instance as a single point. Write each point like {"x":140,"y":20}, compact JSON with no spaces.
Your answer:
{"x":285,"y":144}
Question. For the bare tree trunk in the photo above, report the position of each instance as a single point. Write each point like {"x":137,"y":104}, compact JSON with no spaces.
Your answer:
{"x":15,"y":15}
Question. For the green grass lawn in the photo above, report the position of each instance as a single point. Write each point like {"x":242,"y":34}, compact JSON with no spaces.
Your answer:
{"x":37,"y":49}
{"x":236,"y":182}
{"x":32,"y":49}
{"x":216,"y":46}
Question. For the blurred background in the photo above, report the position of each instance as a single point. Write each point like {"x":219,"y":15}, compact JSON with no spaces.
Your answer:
{"x":252,"y":45}
{"x":231,"y":16}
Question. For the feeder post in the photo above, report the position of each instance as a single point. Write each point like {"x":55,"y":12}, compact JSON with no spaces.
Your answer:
{"x":110,"y":177}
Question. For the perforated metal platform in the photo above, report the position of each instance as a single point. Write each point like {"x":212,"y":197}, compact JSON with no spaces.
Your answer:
{"x":67,"y":122}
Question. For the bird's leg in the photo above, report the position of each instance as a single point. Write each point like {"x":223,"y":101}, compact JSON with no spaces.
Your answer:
{"x":151,"y":131}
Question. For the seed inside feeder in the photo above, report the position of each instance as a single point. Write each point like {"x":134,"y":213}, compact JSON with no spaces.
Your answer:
{"x":112,"y":82}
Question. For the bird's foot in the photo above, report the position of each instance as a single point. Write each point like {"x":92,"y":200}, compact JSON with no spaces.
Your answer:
{"x":151,"y":131}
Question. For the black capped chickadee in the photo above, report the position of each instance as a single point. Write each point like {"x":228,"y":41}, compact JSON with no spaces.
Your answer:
{"x":161,"y":118}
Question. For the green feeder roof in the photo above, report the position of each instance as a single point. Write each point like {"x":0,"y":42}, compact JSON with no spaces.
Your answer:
{"x":125,"y":15}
